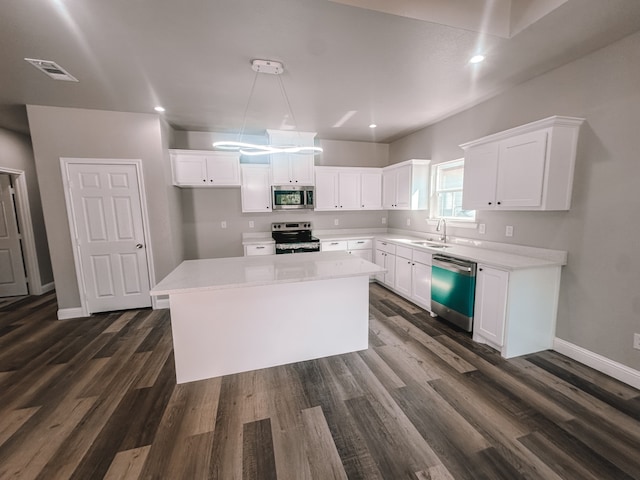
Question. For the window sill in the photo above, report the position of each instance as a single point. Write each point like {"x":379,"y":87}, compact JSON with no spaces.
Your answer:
{"x":471,"y":224}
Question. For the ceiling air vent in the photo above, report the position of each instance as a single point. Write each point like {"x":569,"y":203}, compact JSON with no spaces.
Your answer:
{"x":52,"y":69}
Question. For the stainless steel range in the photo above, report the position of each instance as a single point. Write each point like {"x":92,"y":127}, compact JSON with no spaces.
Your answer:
{"x":294,"y":237}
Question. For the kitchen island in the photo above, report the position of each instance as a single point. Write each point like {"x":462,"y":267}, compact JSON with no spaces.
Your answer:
{"x":230,"y":315}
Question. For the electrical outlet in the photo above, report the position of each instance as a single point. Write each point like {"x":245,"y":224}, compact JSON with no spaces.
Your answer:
{"x":223,"y":224}
{"x":251,"y":224}
{"x":636,"y":341}
{"x":408,"y":222}
{"x":336,"y":221}
{"x":384,"y":220}
{"x":509,"y":231}
{"x":482,"y":229}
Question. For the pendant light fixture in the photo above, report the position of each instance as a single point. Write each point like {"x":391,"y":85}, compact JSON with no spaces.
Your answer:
{"x":270,"y":67}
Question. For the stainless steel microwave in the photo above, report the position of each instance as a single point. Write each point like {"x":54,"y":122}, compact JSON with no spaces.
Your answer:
{"x":289,"y":197}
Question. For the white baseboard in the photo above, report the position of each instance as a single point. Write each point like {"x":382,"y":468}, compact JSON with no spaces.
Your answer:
{"x":160,"y":303}
{"x":67,"y":313}
{"x":603,"y":364}
{"x":47,"y":287}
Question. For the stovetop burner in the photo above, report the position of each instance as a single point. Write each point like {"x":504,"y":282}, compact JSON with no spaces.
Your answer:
{"x":294,"y":237}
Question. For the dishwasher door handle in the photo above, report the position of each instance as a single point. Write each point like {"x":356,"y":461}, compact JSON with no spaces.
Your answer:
{"x":454,"y":266}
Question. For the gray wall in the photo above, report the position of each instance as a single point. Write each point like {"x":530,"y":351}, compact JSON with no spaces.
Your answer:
{"x":203,"y":210}
{"x":599,"y":299}
{"x":70,"y":132}
{"x":16,"y":153}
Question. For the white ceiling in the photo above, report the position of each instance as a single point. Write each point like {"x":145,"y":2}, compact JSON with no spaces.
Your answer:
{"x":193,"y":57}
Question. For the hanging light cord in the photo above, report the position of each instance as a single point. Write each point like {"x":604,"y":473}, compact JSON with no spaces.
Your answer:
{"x":246,"y":108}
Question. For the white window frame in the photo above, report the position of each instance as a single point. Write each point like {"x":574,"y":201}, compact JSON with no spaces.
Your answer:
{"x":435,"y":197}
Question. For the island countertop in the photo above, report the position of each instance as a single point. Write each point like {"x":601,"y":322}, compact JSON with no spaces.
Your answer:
{"x":236,"y":272}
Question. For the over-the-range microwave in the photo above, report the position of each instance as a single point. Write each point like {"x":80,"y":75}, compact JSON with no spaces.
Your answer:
{"x":290,"y":197}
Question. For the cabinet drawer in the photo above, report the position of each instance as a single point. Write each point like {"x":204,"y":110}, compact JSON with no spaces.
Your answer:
{"x":404,"y":252}
{"x":385,"y":246}
{"x":333,"y":245}
{"x":420,"y":256}
{"x":362,"y":244}
{"x":269,"y":249}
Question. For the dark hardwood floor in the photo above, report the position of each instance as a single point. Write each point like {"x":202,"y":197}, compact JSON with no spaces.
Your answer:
{"x":96,"y":398}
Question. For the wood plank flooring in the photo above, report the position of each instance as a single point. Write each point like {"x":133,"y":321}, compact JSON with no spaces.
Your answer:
{"x":96,"y":398}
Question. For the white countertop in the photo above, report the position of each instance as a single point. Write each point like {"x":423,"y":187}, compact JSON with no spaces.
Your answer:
{"x":236,"y":272}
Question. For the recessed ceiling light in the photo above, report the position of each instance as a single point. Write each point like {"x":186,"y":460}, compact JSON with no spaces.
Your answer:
{"x":159,"y":109}
{"x":476,"y":59}
{"x":373,"y":125}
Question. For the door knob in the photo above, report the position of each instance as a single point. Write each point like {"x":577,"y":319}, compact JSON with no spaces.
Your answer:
{"x":139,"y":245}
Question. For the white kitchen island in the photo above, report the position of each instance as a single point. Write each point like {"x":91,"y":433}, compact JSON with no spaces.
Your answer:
{"x":230,"y":315}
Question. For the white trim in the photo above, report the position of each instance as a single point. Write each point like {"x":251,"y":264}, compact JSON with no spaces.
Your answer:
{"x":160,"y":303}
{"x":29,"y":252}
{"x":603,"y":364}
{"x":67,"y":313}
{"x":137,"y":163}
{"x":47,"y":287}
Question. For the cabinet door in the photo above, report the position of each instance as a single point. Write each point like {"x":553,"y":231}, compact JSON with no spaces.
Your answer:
{"x":403,"y":276}
{"x":380,"y":257}
{"x":521,"y":163}
{"x":421,"y":285}
{"x":403,"y":187}
{"x":349,"y":191}
{"x":480,"y":173}
{"x":333,"y":246}
{"x":223,"y":168}
{"x":189,"y":169}
{"x":326,"y":191}
{"x":490,"y":304}
{"x":280,"y":169}
{"x":365,"y":254}
{"x":389,"y":189}
{"x":301,"y":168}
{"x":371,"y":191}
{"x":390,"y":265}
{"x":255,"y":191}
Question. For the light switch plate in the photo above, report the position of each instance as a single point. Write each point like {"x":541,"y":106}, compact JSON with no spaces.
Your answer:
{"x":636,"y":341}
{"x":408,"y":222}
{"x":384,"y":220}
{"x":482,"y":229}
{"x":509,"y":231}
{"x":251,"y":224}
{"x":336,"y":221}
{"x":223,"y":224}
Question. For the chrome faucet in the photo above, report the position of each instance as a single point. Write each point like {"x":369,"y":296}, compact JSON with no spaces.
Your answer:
{"x":442,"y":225}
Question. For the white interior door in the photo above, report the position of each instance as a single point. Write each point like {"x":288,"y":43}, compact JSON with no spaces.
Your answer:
{"x":107,"y":215}
{"x":13,"y":280}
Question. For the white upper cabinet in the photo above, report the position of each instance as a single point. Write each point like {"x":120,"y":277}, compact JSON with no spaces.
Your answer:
{"x":292,"y":168}
{"x":203,"y":168}
{"x":405,"y":185}
{"x":525,"y":168}
{"x":348,"y":188}
{"x":255,"y":191}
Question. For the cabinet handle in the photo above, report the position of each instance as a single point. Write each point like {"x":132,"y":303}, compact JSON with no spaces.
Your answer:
{"x":360,"y":241}
{"x":259,"y":248}
{"x":499,"y":203}
{"x":490,"y":203}
{"x":362,"y":206}
{"x":334,"y":243}
{"x":480,"y":269}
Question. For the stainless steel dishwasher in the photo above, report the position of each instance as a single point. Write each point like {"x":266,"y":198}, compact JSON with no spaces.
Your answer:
{"x":453,"y":288}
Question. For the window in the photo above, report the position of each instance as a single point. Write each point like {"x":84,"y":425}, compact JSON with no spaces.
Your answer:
{"x":447,"y":191}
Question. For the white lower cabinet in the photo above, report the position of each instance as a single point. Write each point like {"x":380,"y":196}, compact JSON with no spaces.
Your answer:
{"x":421,"y":279}
{"x":490,"y":304}
{"x":359,"y":247}
{"x":260,"y":249}
{"x":403,"y":270}
{"x":515,"y":311}
{"x":386,"y":258}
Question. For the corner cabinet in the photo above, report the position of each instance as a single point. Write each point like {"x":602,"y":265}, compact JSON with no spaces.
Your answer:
{"x":292,"y":168}
{"x":525,"y":168}
{"x":348,"y":188}
{"x":203,"y":168}
{"x":405,"y":185}
{"x":255,"y":191}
